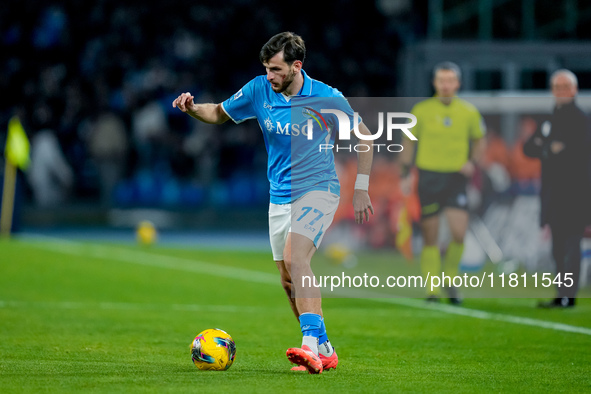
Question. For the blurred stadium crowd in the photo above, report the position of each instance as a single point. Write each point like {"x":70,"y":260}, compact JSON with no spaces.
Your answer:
{"x":93,"y":84}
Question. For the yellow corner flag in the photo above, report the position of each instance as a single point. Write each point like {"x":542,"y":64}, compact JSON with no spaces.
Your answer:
{"x":17,"y":155}
{"x":17,"y":144}
{"x":403,"y":237}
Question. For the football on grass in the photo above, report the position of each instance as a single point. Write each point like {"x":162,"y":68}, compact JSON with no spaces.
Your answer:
{"x":213,"y":349}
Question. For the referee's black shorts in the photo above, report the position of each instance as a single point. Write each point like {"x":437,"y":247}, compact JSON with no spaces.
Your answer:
{"x":438,"y":190}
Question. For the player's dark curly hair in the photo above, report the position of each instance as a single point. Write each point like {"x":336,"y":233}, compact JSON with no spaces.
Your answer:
{"x":291,"y":44}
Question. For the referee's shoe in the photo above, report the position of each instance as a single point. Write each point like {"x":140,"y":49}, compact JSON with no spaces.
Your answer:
{"x":558,"y":302}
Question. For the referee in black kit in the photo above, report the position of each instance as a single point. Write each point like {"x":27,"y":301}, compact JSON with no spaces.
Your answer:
{"x":563,"y":144}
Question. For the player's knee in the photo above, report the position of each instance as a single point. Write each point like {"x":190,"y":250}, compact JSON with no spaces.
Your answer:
{"x":287,"y":261}
{"x":459,"y":238}
{"x":295,"y":263}
{"x":430,"y":239}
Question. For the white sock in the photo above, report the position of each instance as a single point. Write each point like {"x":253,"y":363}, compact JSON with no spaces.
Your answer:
{"x":311,"y":342}
{"x":326,"y":349}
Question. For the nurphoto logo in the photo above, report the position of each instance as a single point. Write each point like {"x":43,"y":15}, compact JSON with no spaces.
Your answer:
{"x":345,"y":129}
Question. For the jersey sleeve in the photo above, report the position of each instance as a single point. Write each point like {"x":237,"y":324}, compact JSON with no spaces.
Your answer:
{"x":240,"y":106}
{"x":344,"y":106}
{"x":477,"y":125}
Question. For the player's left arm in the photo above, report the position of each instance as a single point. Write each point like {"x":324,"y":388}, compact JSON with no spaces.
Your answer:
{"x":477,"y":131}
{"x":478,"y":149}
{"x":476,"y":154}
{"x":361,"y":201}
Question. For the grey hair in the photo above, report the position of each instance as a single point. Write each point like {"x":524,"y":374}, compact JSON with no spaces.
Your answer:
{"x":567,"y":73}
{"x":448,"y":66}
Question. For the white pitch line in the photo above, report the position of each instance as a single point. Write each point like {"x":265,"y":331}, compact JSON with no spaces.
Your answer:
{"x":154,"y":260}
{"x":130,"y":306}
{"x":478,"y":314}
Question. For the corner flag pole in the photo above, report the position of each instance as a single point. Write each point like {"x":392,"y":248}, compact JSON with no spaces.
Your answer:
{"x":7,"y":199}
{"x":16,"y":155}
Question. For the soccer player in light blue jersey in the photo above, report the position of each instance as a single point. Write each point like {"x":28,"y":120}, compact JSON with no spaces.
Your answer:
{"x":304,"y":188}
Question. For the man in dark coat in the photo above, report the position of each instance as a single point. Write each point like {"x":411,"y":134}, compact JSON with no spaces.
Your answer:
{"x":563,"y":146}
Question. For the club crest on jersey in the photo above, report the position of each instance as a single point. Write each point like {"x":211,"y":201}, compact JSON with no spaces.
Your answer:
{"x":447,"y":121}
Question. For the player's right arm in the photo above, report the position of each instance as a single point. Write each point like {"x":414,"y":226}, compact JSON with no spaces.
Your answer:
{"x":208,"y":113}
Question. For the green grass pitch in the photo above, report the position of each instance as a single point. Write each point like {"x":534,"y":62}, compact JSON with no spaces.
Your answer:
{"x":98,"y":317}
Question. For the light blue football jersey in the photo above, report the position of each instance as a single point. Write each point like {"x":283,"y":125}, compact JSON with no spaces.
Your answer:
{"x":296,"y":164}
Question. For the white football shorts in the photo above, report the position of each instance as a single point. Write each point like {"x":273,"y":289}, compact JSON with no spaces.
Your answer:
{"x":309,"y":215}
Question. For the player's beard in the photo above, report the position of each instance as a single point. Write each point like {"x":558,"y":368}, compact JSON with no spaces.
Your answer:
{"x":286,"y":83}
